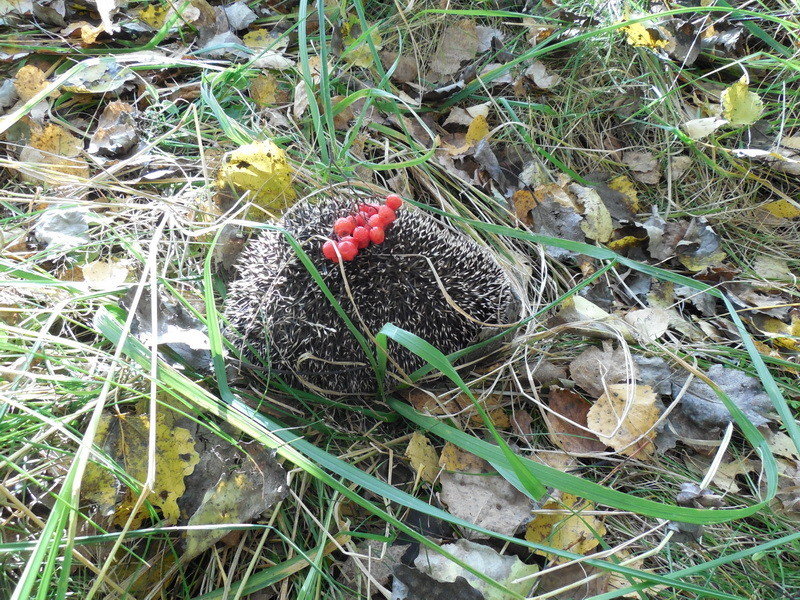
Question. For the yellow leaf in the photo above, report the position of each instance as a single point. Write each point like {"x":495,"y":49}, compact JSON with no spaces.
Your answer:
{"x":573,"y":532}
{"x":638,"y":35}
{"x":454,"y":458}
{"x":741,"y":106}
{"x":699,"y":263}
{"x":497,"y":416}
{"x":625,"y":186}
{"x":258,"y":39}
{"x":478,"y":129}
{"x":781,"y":334}
{"x":29,"y":81}
{"x":154,"y":15}
{"x":262,"y":170}
{"x":126,"y":439}
{"x":596,"y":224}
{"x":263,"y":89}
{"x":626,"y":424}
{"x":625,"y":242}
{"x":783,"y":209}
{"x":51,"y":153}
{"x":423,"y":458}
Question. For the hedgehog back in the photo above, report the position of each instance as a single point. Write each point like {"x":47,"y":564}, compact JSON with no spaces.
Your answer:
{"x":277,"y":310}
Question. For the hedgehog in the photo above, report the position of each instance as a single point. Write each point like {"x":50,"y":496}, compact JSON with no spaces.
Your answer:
{"x":425,"y":277}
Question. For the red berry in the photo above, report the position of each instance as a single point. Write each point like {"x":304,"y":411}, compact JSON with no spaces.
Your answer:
{"x":361,"y":237}
{"x":344,"y":226}
{"x":387,"y":214}
{"x":368,"y":209}
{"x":347,"y":249}
{"x":377,"y":235}
{"x":394,"y":201}
{"x":360,"y":220}
{"x":329,"y":251}
{"x":377,"y":221}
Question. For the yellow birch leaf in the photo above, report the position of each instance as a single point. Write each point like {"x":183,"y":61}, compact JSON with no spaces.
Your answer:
{"x":478,"y":129}
{"x":782,"y":209}
{"x":175,"y":459}
{"x":454,"y":458}
{"x":638,"y":35}
{"x":741,"y":106}
{"x":626,"y":424}
{"x":51,"y":152}
{"x":154,"y":15}
{"x":262,"y":170}
{"x":423,"y":458}
{"x":29,"y":81}
{"x":263,"y":89}
{"x":573,"y":532}
{"x":625,"y":186}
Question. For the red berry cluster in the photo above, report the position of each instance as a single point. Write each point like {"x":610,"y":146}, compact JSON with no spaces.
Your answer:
{"x":367,"y":226}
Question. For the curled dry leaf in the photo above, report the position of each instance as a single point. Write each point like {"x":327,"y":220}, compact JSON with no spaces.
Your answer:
{"x":699,"y":129}
{"x":595,"y":369}
{"x":483,"y":559}
{"x":624,"y":418}
{"x":648,"y":324}
{"x":540,"y":76}
{"x":116,"y":130}
{"x":565,"y":427}
{"x":597,"y":224}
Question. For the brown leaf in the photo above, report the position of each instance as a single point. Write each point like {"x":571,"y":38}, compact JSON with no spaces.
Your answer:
{"x":565,"y":432}
{"x":457,"y":43}
{"x":29,"y":81}
{"x":644,"y":166}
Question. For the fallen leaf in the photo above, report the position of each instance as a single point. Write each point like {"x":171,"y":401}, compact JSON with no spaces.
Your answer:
{"x":596,"y":223}
{"x":564,"y":428}
{"x":699,"y":129}
{"x":180,"y":337}
{"x":488,"y":501}
{"x":585,"y":317}
{"x":483,"y":559}
{"x":539,"y":75}
{"x":644,"y":166}
{"x":29,"y":81}
{"x":700,"y":246}
{"x":574,"y":532}
{"x":624,"y":418}
{"x":457,"y":43}
{"x":404,"y":68}
{"x":523,"y":202}
{"x":106,"y":9}
{"x":239,"y":15}
{"x":154,"y":14}
{"x":263,"y":89}
{"x":454,"y":458}
{"x":626,"y":187}
{"x":99,"y":76}
{"x":783,"y":209}
{"x":648,"y":324}
{"x":703,"y":407}
{"x":125,"y":438}
{"x":595,"y":369}
{"x":242,"y":493}
{"x":636,"y":34}
{"x":64,"y":229}
{"x":422,"y":456}
{"x":739,"y":105}
{"x":262,"y":170}
{"x":116,"y":130}
{"x":104,"y":275}
{"x":372,"y":562}
{"x":726,"y":471}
